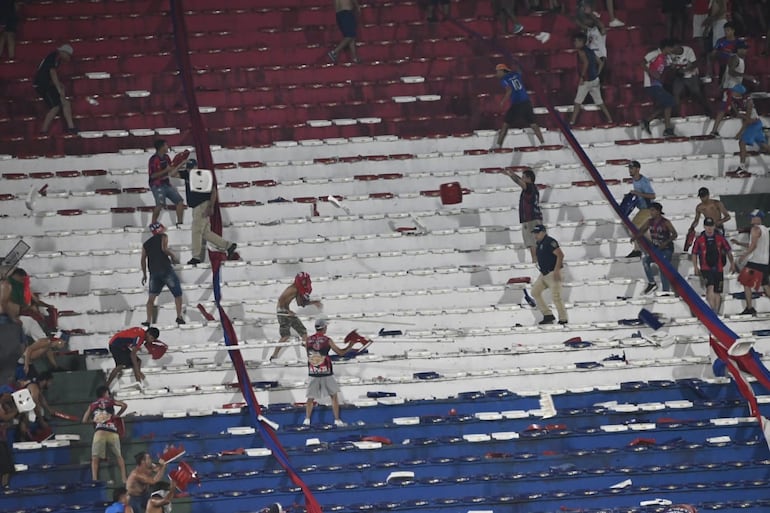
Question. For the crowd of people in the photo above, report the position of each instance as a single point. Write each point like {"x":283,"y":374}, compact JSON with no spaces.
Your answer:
{"x":145,"y":490}
{"x":710,"y":249}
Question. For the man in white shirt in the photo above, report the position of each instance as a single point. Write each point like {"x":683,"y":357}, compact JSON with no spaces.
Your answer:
{"x":685,"y":65}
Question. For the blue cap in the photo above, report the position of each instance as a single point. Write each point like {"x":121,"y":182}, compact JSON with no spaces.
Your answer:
{"x":740,"y":89}
{"x":757,"y":213}
{"x":538,"y":228}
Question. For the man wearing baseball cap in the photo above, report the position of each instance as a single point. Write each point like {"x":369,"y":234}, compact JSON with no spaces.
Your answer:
{"x":50,"y":89}
{"x":757,"y":259}
{"x":160,"y":259}
{"x":319,"y":368}
{"x":642,"y":189}
{"x":520,"y":110}
{"x":709,"y":253}
{"x":550,"y":260}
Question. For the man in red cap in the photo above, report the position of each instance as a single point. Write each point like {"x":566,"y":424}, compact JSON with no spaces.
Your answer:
{"x":159,"y":258}
{"x":299,"y":290}
{"x":520,"y":111}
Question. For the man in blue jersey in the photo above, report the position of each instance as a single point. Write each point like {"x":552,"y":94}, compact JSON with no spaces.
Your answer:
{"x":588,"y":75}
{"x":520,"y":106}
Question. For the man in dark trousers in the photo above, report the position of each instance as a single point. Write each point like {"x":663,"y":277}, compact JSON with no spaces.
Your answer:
{"x":530,"y":214}
{"x":202,"y":205}
{"x":51,"y":90}
{"x":520,"y":111}
{"x":159,"y":258}
{"x":709,"y":252}
{"x":124,"y":345}
{"x":550,"y":260}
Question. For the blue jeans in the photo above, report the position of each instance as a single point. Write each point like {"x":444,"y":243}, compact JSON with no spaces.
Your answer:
{"x":646,"y":264}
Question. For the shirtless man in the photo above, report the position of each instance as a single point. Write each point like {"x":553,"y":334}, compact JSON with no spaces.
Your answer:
{"x":141,"y":478}
{"x":161,"y":497}
{"x":36,"y":387}
{"x":710,"y":208}
{"x":346,"y":21}
{"x":14,"y":291}
{"x":287,"y":320}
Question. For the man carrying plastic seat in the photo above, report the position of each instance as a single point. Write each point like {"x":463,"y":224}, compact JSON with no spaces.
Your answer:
{"x":757,"y":259}
{"x":124,"y":345}
{"x":642,"y":189}
{"x":712,"y":208}
{"x":530,"y":214}
{"x":202,"y":205}
{"x":319,"y":367}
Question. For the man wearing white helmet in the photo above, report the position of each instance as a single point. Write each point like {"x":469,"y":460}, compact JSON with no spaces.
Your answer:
{"x":298,"y":291}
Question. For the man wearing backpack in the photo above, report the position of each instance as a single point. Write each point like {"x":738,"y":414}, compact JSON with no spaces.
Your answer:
{"x":709,"y":253}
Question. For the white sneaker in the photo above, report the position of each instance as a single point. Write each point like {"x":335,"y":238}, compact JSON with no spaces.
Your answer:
{"x":306,"y":422}
{"x":616,"y":23}
{"x":339,"y":423}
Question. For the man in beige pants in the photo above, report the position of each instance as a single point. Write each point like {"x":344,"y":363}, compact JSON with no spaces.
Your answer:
{"x":202,"y":205}
{"x":550,"y":259}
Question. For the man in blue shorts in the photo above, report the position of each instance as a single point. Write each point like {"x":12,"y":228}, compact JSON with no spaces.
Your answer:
{"x":159,"y":258}
{"x":654,"y":65}
{"x":520,"y":111}
{"x":160,"y":169}
{"x":751,"y":132}
{"x":346,"y":21}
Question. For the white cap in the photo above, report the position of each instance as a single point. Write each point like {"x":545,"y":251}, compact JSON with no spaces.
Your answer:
{"x":66,"y":49}
{"x":321,"y":323}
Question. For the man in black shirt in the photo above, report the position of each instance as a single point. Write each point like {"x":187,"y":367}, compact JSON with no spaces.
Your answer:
{"x":202,"y":205}
{"x":549,"y":260}
{"x":51,"y":90}
{"x":158,"y":257}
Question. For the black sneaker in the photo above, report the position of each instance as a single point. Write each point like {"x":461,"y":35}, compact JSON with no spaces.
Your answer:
{"x":650,"y":287}
{"x":180,"y":320}
{"x":634,"y":254}
{"x":668,"y":132}
{"x":749,"y":311}
{"x":193,"y":261}
{"x":563,"y":322}
{"x":146,"y":324}
{"x":548,"y":319}
{"x":231,"y":249}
